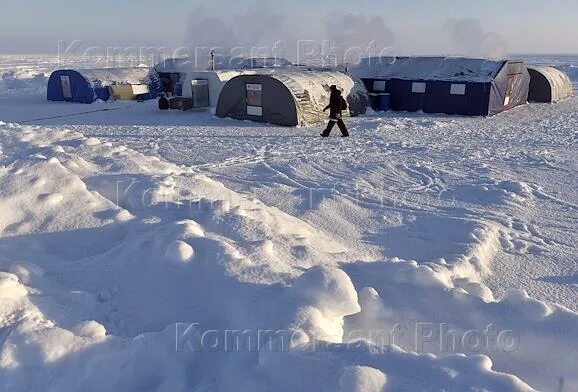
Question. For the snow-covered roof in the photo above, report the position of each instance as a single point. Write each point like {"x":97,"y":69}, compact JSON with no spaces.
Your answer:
{"x":185,"y":64}
{"x":315,"y":85}
{"x":429,"y":68}
{"x":112,"y":76}
{"x":222,"y":75}
{"x":314,"y":82}
{"x":264,"y":62}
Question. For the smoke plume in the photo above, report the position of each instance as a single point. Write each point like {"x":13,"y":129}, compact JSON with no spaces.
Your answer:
{"x":469,"y":38}
{"x":259,"y":30}
{"x":358,"y":35}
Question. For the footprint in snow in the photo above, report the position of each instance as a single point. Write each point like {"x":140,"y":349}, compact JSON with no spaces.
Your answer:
{"x":51,"y":198}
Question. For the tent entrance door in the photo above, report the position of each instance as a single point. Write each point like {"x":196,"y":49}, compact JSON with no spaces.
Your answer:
{"x":200,"y":91}
{"x":254,"y":99}
{"x":66,"y":88}
{"x":509,"y":91}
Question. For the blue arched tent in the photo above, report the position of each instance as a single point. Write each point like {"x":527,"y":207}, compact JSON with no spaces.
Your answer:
{"x":451,"y":85}
{"x":88,"y":85}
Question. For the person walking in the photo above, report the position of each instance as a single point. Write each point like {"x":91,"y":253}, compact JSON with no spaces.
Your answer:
{"x":336,"y":106}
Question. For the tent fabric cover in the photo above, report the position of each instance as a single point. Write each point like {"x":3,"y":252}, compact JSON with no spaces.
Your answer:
{"x":263,"y":62}
{"x":291,"y":98}
{"x":509,"y":88}
{"x":88,"y":85}
{"x":549,"y":84}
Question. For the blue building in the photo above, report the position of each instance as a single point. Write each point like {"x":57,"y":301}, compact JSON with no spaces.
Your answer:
{"x":88,"y":85}
{"x":450,"y":85}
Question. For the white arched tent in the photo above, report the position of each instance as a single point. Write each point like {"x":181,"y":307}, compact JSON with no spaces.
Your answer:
{"x":204,"y":87}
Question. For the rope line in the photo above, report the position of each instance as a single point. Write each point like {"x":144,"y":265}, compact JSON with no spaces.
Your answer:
{"x":74,"y":114}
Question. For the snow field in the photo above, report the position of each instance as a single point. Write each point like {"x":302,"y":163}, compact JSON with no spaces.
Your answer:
{"x":105,"y":251}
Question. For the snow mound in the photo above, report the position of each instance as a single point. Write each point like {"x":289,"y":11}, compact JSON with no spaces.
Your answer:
{"x":510,"y":330}
{"x":362,"y":379}
{"x":179,"y":252}
{"x":10,"y":288}
{"x":325,"y":296}
{"x":22,"y":82}
{"x":329,"y":290}
{"x":90,"y":329}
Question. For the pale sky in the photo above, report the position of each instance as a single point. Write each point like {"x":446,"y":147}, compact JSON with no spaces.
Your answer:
{"x":526,"y":26}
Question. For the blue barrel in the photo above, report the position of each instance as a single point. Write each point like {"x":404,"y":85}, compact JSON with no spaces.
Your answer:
{"x":382,"y":102}
{"x":373,"y":101}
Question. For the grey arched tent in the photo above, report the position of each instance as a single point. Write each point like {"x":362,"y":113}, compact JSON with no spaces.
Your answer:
{"x":549,"y":84}
{"x":288,"y":98}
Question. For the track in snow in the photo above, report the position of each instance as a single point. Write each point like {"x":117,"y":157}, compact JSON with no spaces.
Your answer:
{"x":401,"y":177}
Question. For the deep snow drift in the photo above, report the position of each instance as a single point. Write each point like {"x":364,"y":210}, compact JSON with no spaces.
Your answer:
{"x":178,"y":252}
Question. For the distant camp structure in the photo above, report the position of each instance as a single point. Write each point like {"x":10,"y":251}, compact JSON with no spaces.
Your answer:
{"x":172,"y":73}
{"x":274,"y":90}
{"x":549,"y":85}
{"x":288,"y":98}
{"x":450,"y":85}
{"x":202,"y":88}
{"x":89,"y":85}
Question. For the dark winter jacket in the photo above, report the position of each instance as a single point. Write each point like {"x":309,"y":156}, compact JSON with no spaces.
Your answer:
{"x":336,"y":104}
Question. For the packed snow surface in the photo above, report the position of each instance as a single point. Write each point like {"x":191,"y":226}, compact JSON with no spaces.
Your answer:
{"x":175,"y":251}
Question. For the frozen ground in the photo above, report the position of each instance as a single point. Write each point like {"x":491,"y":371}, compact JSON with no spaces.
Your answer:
{"x":117,"y":225}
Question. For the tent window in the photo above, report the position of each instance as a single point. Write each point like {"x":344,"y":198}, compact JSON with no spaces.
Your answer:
{"x":418,"y":88}
{"x":254,"y":99}
{"x":515,"y":68}
{"x":255,"y":111}
{"x":66,"y":88}
{"x":458,"y":89}
{"x":379,"y":85}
